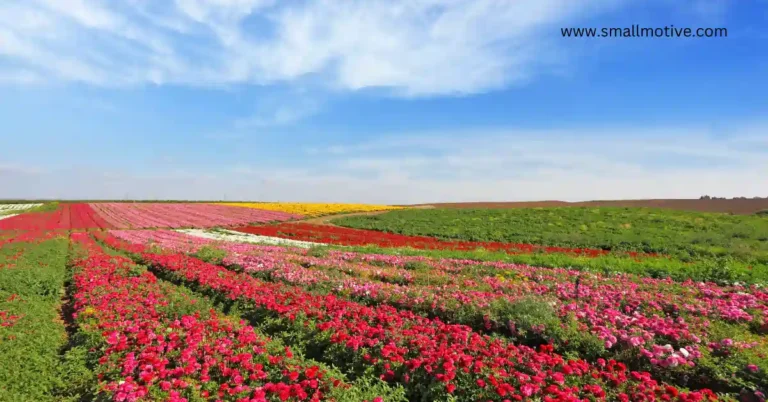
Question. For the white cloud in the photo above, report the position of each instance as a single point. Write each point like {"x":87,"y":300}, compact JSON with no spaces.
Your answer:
{"x":410,"y":47}
{"x":482,"y":165}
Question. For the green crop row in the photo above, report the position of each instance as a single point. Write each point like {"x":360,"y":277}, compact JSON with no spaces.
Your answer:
{"x":32,"y":329}
{"x":679,"y":233}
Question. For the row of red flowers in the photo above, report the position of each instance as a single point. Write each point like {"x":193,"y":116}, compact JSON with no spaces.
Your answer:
{"x":429,"y":357}
{"x":358,"y":237}
{"x":148,"y":349}
{"x":66,"y":217}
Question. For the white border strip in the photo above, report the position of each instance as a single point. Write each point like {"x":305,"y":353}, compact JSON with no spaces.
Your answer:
{"x":8,"y":216}
{"x":238,"y":237}
{"x":17,"y":207}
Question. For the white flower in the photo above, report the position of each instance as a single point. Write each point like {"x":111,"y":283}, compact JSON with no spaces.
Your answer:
{"x":684,"y":352}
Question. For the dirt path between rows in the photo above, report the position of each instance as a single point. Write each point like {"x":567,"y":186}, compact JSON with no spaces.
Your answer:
{"x":326,"y":220}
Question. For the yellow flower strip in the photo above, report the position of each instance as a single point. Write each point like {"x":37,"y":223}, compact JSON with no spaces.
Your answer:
{"x":312,"y":209}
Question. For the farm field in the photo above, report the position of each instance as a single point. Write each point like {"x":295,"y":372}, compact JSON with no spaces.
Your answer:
{"x":211,"y":302}
{"x":741,"y":206}
{"x":725,"y":270}
{"x":706,"y":239}
{"x":145,"y":215}
{"x":313,"y":209}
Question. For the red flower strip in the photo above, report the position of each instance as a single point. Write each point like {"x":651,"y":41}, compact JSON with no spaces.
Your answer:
{"x":359,"y":237}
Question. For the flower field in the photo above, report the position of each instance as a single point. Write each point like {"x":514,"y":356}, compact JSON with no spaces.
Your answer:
{"x":149,"y":215}
{"x":308,"y":209}
{"x":233,"y":236}
{"x":158,"y":302}
{"x":709,"y":241}
{"x":669,"y":329}
{"x":64,"y":217}
{"x":356,"y":237}
{"x":413,"y":350}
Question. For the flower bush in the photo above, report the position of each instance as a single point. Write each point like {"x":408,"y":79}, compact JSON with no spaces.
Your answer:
{"x":432,"y":359}
{"x":153,"y":342}
{"x":653,"y":325}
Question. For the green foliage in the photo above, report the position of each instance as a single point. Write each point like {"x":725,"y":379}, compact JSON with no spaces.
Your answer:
{"x":368,"y":387}
{"x":211,"y":254}
{"x":46,"y":207}
{"x":728,"y":368}
{"x":318,"y":251}
{"x":78,"y":382}
{"x":618,"y":229}
{"x":721,"y":270}
{"x":417,"y":266}
{"x":31,"y":289}
{"x":694,"y":245}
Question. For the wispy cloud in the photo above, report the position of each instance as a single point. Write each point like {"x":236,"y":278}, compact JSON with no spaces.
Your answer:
{"x":531,"y":151}
{"x":411,"y":48}
{"x":479,"y":165}
{"x":280,"y":111}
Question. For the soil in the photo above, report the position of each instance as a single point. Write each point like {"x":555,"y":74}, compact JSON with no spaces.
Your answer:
{"x":733,"y":206}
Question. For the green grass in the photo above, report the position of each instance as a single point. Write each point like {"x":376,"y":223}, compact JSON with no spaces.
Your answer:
{"x":683,"y":235}
{"x":30,"y":347}
{"x":700,"y":246}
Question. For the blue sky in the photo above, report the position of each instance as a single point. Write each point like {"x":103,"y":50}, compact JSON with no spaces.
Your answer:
{"x":380,"y":101}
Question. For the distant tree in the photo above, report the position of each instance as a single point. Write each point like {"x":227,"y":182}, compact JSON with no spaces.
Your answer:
{"x":705,"y":197}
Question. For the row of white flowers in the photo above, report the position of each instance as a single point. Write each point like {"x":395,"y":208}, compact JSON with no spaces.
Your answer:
{"x":7,"y":216}
{"x":6,"y":208}
{"x":230,"y":235}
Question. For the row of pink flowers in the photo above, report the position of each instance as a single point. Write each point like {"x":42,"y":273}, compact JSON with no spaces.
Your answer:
{"x":176,"y":215}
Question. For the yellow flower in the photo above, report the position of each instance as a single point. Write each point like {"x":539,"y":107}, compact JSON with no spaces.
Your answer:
{"x":312,"y":209}
{"x":88,"y":311}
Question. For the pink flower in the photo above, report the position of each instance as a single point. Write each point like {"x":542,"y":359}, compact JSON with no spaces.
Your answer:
{"x":113,"y":338}
{"x":527,"y":389}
